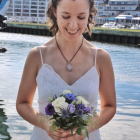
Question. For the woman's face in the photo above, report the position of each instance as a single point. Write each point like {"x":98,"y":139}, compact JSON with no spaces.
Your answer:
{"x":72,"y":18}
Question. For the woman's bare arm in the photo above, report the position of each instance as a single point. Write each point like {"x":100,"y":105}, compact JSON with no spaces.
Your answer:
{"x":106,"y":89}
{"x":27,"y":88}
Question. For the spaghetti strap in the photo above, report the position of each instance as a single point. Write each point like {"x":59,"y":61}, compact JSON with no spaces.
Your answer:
{"x":41,"y":55}
{"x":95,"y":56}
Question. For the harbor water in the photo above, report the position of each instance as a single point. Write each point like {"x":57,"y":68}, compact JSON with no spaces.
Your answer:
{"x":126,"y":63}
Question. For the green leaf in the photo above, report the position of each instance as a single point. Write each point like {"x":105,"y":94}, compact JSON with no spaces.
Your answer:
{"x":78,"y":131}
{"x":73,"y":102}
{"x":66,"y":128}
{"x":53,"y":127}
{"x":84,"y":130}
{"x":69,"y":124}
{"x":51,"y":99}
{"x":72,"y":127}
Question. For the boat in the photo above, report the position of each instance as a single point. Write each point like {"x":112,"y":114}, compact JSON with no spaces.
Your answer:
{"x":135,"y":27}
{"x":110,"y":25}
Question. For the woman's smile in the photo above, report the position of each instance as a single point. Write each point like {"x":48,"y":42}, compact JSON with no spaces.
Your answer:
{"x":74,"y":32}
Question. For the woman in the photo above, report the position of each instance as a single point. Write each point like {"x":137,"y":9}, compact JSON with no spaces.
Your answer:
{"x":67,"y":62}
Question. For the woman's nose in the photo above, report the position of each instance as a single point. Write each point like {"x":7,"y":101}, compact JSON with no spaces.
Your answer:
{"x":73,"y":24}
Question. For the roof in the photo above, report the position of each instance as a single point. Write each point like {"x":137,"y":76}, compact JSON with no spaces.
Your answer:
{"x":124,"y":0}
{"x":137,"y":18}
{"x":122,"y":5}
{"x":124,"y":17}
{"x":112,"y":19}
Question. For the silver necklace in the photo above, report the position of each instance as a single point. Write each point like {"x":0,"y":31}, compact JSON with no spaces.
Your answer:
{"x":69,"y":67}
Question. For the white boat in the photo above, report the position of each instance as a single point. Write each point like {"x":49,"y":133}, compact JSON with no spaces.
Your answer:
{"x":135,"y":27}
{"x":110,"y":25}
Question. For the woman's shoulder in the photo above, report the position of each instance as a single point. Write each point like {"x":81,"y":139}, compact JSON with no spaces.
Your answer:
{"x":103,"y":57}
{"x":35,"y":51}
{"x":101,"y":53}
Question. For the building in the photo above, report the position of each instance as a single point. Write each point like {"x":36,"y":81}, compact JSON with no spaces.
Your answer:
{"x":112,"y":8}
{"x":27,"y":10}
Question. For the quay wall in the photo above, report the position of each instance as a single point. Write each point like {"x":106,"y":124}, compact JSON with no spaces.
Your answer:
{"x":115,"y":36}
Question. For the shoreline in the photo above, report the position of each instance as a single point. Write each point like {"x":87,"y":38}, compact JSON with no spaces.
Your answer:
{"x":118,"y":36}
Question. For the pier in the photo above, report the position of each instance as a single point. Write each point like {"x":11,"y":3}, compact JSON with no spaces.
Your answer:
{"x":117,"y":36}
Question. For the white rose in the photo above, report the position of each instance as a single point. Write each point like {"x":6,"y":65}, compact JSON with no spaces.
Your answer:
{"x":67,"y":91}
{"x":59,"y":103}
{"x":81,"y":99}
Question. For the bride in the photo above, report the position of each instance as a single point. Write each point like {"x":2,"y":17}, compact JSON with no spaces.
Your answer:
{"x":67,"y":62}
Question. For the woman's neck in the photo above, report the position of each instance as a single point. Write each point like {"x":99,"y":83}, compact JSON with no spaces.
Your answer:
{"x":68,"y":46}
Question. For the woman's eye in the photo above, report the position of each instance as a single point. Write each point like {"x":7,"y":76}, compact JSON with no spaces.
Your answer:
{"x":66,"y":17}
{"x":69,"y":17}
{"x":81,"y":17}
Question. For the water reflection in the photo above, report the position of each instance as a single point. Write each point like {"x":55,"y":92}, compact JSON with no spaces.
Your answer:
{"x":4,"y":135}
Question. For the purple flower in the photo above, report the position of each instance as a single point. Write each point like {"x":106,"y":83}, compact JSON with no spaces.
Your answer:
{"x":81,"y":106}
{"x":70,"y":97}
{"x":49,"y":110}
{"x":88,"y":110}
{"x":79,"y":113}
{"x":71,"y":108}
{"x":64,"y":113}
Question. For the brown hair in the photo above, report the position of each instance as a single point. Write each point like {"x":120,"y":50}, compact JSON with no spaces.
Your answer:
{"x":52,"y":19}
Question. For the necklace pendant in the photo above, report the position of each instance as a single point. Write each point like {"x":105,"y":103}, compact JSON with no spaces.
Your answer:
{"x":69,"y":67}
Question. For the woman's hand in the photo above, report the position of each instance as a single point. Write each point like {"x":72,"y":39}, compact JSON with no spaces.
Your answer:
{"x":58,"y":134}
{"x":78,"y":137}
{"x":75,"y":137}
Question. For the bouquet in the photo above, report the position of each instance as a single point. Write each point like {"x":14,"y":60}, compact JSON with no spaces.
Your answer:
{"x":69,"y":112}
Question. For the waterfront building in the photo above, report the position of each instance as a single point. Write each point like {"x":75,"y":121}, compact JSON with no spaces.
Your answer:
{"x":112,"y":8}
{"x":27,"y":10}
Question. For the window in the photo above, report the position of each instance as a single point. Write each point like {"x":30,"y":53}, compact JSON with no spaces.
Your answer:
{"x":119,"y":3}
{"x":126,"y":3}
{"x":112,"y":2}
{"x":34,"y":11}
{"x":134,"y":3}
{"x":122,"y":8}
{"x":26,"y":15}
{"x":100,"y":12}
{"x":17,"y":2}
{"x":17,"y":6}
{"x":100,"y":7}
{"x":34,"y":7}
{"x":41,"y":15}
{"x":17,"y":10}
{"x":33,"y":15}
{"x":115,"y":8}
{"x":108,"y":7}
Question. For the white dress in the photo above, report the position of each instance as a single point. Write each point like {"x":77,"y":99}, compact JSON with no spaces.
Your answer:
{"x":50,"y":83}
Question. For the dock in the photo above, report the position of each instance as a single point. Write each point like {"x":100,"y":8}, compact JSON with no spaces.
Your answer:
{"x":115,"y":36}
